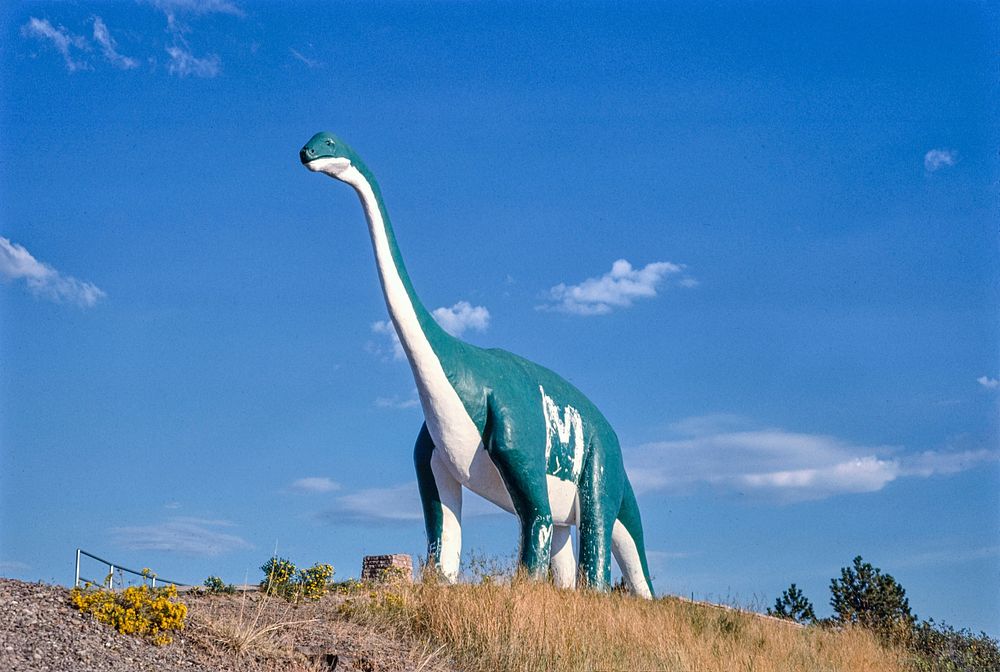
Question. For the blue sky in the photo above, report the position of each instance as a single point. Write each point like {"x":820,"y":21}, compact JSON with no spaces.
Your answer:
{"x":761,"y":237}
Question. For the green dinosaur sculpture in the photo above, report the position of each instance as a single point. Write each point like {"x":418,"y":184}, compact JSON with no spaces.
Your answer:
{"x":508,"y":429}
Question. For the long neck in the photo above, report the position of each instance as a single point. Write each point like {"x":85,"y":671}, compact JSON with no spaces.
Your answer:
{"x":415,"y":326}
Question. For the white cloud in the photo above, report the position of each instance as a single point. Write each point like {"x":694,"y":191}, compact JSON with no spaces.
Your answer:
{"x":936,"y":159}
{"x":618,"y":288}
{"x":988,"y":383}
{"x":458,"y":319}
{"x":189,"y":536}
{"x":61,"y":39}
{"x":183,"y":63}
{"x":310,"y":62}
{"x":103,"y":37}
{"x":774,"y":462}
{"x":315,"y":484}
{"x":16,"y":263}
{"x":462,"y":317}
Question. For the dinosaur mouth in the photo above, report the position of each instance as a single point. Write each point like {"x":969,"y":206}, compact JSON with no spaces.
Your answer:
{"x":331,"y":165}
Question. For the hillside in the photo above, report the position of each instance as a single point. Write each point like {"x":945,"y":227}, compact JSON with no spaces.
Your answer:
{"x":524,"y":626}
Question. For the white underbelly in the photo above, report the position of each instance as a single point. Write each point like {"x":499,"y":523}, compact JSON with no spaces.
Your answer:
{"x":458,"y":441}
{"x":483,"y":478}
{"x":485,"y":481}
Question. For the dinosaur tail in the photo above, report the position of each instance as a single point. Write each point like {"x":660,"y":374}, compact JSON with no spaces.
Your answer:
{"x":628,"y":548}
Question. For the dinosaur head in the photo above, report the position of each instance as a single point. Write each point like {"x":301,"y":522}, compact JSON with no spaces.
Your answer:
{"x":326,"y":153}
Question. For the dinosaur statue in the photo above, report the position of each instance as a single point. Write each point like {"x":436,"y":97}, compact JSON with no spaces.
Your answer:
{"x":508,"y":429}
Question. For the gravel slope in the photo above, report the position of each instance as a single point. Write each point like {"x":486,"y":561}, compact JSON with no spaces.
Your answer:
{"x":41,"y":631}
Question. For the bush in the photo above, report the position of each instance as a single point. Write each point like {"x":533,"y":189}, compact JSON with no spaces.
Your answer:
{"x":137,"y":610}
{"x":281,"y":578}
{"x":865,"y":596}
{"x":217,"y":586}
{"x":941,"y":648}
{"x":315,"y":580}
{"x":794,"y":606}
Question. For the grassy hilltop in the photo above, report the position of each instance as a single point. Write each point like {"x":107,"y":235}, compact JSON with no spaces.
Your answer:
{"x":533,"y":626}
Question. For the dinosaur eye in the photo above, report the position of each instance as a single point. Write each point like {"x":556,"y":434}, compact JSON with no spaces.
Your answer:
{"x":329,"y":142}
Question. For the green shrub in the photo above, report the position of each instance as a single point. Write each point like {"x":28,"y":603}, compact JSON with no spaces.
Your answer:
{"x":217,"y":586}
{"x":941,"y":648}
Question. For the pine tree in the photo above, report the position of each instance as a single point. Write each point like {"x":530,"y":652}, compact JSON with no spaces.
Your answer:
{"x":793,"y":605}
{"x":865,"y":596}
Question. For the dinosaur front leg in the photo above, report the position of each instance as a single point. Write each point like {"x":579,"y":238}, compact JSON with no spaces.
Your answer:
{"x":601,"y":489}
{"x":513,"y":447}
{"x":441,"y":497}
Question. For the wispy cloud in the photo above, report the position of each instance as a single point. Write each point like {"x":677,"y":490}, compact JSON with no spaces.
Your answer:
{"x":310,"y":62}
{"x":60,"y":38}
{"x":108,"y":45}
{"x":397,"y":403}
{"x":16,"y":263}
{"x":618,"y":288}
{"x":197,"y":7}
{"x":13,"y":567}
{"x":391,"y":505}
{"x":395,"y":505}
{"x":944,"y":463}
{"x":782,"y":464}
{"x":388,"y":330}
{"x":660,"y":562}
{"x":936,"y":159}
{"x":314,"y":484}
{"x":950,"y":555}
{"x":462,"y":317}
{"x":188,"y":536}
{"x":183,"y":63}
{"x":988,"y":383}
{"x":456,"y":320}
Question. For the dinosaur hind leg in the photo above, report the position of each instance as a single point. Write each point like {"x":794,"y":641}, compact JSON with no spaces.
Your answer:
{"x":441,"y":497}
{"x":627,"y":545}
{"x":627,"y":557}
{"x":563,"y":558}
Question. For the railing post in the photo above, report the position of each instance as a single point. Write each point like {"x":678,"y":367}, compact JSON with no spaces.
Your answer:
{"x":76,"y":575}
{"x":111,"y":577}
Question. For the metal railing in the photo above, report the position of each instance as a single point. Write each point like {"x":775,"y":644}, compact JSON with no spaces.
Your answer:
{"x":109,"y":580}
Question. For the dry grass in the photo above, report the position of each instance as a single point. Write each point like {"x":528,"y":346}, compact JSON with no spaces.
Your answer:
{"x":259,"y":630}
{"x":533,"y":626}
{"x":254,"y":631}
